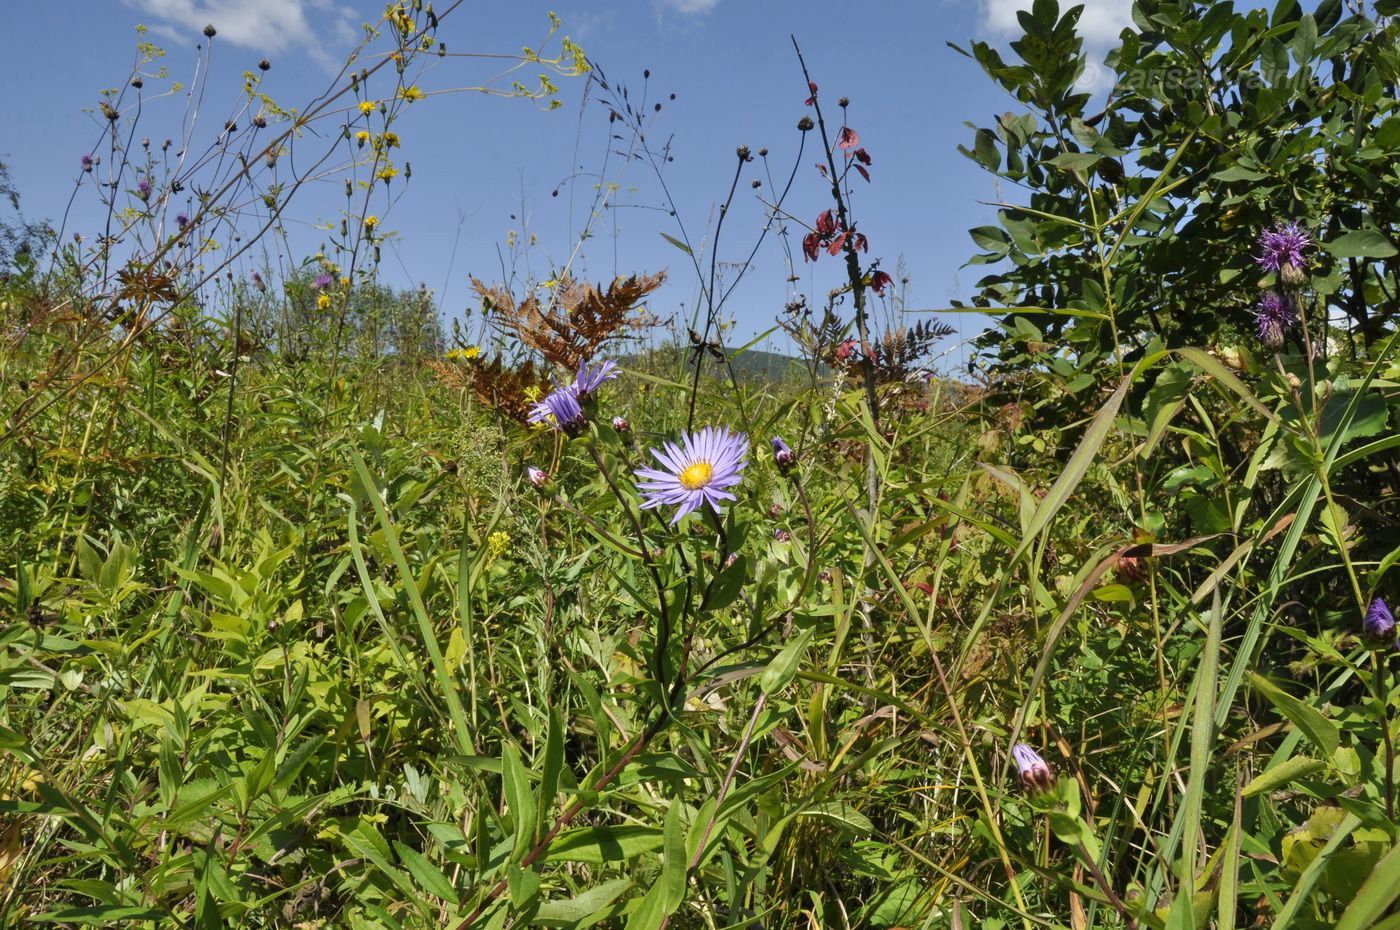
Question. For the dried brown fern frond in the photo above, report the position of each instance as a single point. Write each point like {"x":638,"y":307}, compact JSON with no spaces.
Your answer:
{"x":510,"y":389}
{"x":577,"y":322}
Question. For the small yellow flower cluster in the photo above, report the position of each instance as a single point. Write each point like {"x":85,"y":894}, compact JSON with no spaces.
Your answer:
{"x":387,"y":173}
{"x":496,"y":545}
{"x":467,"y":354}
{"x":323,"y":301}
{"x":371,"y":222}
{"x":411,"y":93}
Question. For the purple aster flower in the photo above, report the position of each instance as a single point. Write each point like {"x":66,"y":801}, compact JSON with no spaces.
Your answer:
{"x":783,"y":456}
{"x":1281,"y":249}
{"x":88,"y":162}
{"x":323,"y":281}
{"x":1036,"y":774}
{"x":591,"y":377}
{"x":1379,"y":624}
{"x":698,"y":471}
{"x":562,"y":411}
{"x":1275,"y":316}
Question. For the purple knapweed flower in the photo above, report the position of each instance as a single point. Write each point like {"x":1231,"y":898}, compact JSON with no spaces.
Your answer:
{"x":258,"y":282}
{"x":1036,"y":774}
{"x":1274,"y":315}
{"x":698,"y":471}
{"x":591,"y":377}
{"x":1281,"y":249}
{"x":783,"y":456}
{"x":562,"y":411}
{"x":181,"y":220}
{"x":1379,"y":623}
{"x":88,"y":162}
{"x":143,"y":189}
{"x":323,"y":281}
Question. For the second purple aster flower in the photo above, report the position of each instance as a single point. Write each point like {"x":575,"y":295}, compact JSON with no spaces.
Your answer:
{"x":698,"y":471}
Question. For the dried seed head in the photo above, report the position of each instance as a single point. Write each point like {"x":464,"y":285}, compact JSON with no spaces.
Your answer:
{"x":210,"y":31}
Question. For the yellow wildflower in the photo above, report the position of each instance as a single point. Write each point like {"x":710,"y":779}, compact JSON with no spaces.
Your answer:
{"x":371,"y":222}
{"x":387,"y":172}
{"x":323,"y":302}
{"x":362,"y":137}
{"x":391,"y":140}
{"x":411,"y":93}
{"x":496,"y":545}
{"x":368,"y":106}
{"x":471,"y":352}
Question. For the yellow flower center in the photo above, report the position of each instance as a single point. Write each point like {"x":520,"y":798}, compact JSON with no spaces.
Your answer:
{"x":697,"y":476}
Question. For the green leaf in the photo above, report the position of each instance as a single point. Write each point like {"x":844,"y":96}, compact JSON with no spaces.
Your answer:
{"x":1320,"y":731}
{"x":1381,"y":889}
{"x":597,"y":845}
{"x":1284,"y":773}
{"x":842,"y":814}
{"x":428,"y":876}
{"x":520,"y":798}
{"x":1363,"y":243}
{"x":784,"y":666}
{"x":571,"y":912}
{"x":101,"y":915}
{"x":677,"y":243}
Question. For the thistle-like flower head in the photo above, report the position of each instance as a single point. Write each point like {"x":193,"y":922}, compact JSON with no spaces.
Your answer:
{"x":1283,"y":246}
{"x":1274,"y":316}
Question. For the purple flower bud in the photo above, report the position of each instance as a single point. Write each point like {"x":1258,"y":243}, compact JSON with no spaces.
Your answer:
{"x":143,"y":189}
{"x":782,"y":535}
{"x":258,"y":282}
{"x":783,"y":456}
{"x":181,"y":220}
{"x":88,"y":162}
{"x":1379,"y":623}
{"x":1036,"y":774}
{"x":537,"y":477}
{"x":621,"y":425}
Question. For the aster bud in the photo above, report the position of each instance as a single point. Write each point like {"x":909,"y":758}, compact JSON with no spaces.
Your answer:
{"x":783,"y":456}
{"x":537,"y":477}
{"x":621,"y":425}
{"x":775,"y":511}
{"x":1037,"y":777}
{"x":1378,"y":626}
{"x":824,"y":576}
{"x":730,"y":559}
{"x":781,"y":535}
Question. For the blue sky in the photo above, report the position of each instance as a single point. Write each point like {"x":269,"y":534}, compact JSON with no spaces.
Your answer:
{"x":483,"y":166}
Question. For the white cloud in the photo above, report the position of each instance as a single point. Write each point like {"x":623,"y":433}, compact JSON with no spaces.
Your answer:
{"x":691,"y":6}
{"x":1099,"y":26}
{"x":265,"y":26}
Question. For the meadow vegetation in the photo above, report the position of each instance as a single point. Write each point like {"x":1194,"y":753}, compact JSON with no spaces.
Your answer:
{"x":317,"y":612}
